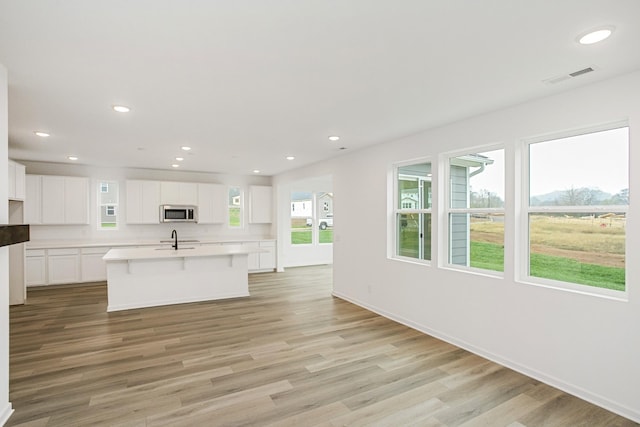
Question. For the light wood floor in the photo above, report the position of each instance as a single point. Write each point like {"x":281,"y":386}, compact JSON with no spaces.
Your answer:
{"x":289,"y":355}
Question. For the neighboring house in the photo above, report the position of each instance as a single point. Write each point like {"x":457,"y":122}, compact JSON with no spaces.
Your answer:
{"x":461,"y":170}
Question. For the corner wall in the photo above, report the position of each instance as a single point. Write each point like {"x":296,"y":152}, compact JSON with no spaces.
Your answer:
{"x":585,"y":345}
{"x":5,"y":405}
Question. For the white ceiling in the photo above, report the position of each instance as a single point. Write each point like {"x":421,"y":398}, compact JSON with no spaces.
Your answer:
{"x":248,"y":82}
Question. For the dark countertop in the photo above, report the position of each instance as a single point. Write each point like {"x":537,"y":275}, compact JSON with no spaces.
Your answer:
{"x":12,"y":234}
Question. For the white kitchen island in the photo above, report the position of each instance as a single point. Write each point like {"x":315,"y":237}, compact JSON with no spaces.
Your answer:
{"x":147,"y":277}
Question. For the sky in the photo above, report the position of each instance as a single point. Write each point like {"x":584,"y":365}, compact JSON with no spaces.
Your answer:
{"x":596,"y":160}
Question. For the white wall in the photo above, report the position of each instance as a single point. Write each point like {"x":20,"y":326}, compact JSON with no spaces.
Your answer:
{"x":151,"y":231}
{"x":586,"y":345}
{"x":5,"y":405}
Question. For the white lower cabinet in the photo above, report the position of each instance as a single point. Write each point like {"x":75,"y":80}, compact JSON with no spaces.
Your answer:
{"x":63,"y":266}
{"x":36,"y":267}
{"x":262,"y":261}
{"x":85,"y":264}
{"x":254,"y":257}
{"x":268,"y":259}
{"x":93,"y":268}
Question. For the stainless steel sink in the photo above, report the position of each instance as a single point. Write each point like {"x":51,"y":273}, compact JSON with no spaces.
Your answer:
{"x":172,"y":249}
{"x":180,"y":241}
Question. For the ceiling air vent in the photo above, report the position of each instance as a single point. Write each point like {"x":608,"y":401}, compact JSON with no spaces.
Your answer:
{"x":564,"y":77}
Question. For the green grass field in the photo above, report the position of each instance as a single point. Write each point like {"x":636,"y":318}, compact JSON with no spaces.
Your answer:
{"x":588,"y":251}
{"x":303,"y":236}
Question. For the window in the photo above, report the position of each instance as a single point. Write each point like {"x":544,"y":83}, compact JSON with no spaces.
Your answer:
{"x":413,"y":211}
{"x":578,"y":195}
{"x":301,"y":218}
{"x":107,"y":205}
{"x":476,"y":210}
{"x":235,"y":207}
{"x":310,"y":225}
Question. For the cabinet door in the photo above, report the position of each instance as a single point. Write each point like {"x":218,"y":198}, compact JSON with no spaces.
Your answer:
{"x":268,"y":259}
{"x":150,"y":202}
{"x":20,"y":181}
{"x":92,"y":267}
{"x":63,"y":266}
{"x":76,"y":200}
{"x":35,"y":268}
{"x":260,"y":204}
{"x":53,"y":203}
{"x":178,"y":193}
{"x":212,"y":204}
{"x":254,"y":258}
{"x":143,"y":202}
{"x":33,"y":199}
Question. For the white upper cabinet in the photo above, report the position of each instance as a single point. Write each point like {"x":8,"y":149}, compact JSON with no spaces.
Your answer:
{"x":16,"y":181}
{"x":143,"y":202}
{"x":76,"y":200}
{"x":178,"y":193}
{"x":33,"y":199}
{"x":212,"y":204}
{"x":56,"y":200}
{"x":261,"y":197}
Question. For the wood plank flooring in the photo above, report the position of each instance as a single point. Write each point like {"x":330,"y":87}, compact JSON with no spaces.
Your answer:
{"x":289,"y":355}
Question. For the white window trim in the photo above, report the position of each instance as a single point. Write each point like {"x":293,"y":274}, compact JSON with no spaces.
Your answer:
{"x":522,"y":274}
{"x":392,"y":240}
{"x":445,"y":210}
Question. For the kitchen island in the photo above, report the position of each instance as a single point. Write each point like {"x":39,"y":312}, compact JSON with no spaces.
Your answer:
{"x":147,"y":277}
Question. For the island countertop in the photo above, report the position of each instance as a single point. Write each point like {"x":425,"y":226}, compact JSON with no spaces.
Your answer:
{"x":186,"y":251}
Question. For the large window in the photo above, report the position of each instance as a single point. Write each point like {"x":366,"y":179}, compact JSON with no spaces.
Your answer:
{"x":311,"y":217}
{"x":107,"y":196}
{"x":476,"y":210}
{"x":413,"y":211}
{"x":577,"y":205}
{"x":235,"y":207}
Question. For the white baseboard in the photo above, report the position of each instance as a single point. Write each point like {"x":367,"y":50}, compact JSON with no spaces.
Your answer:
{"x":5,"y":413}
{"x":572,"y":389}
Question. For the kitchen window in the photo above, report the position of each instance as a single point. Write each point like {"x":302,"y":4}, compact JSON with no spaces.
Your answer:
{"x":576,"y":210}
{"x":235,"y":207}
{"x":107,"y":205}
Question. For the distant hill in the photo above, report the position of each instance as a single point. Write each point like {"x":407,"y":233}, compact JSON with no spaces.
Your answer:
{"x":579,"y":196}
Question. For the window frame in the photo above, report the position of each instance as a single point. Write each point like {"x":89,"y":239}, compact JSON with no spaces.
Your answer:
{"x":397,"y":210}
{"x":447,"y":210}
{"x":103,"y":184}
{"x":523,"y":272}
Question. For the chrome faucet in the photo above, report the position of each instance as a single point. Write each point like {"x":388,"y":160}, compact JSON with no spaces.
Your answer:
{"x":174,"y":236}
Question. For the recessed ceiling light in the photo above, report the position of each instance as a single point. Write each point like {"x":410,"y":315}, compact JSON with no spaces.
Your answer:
{"x":175,"y":165}
{"x":72,"y":158}
{"x":334,"y":138}
{"x":595,"y":36}
{"x":121,"y":108}
{"x":256,"y":171}
{"x":179,"y":159}
{"x":185,"y":148}
{"x":290,"y":158}
{"x":41,"y":134}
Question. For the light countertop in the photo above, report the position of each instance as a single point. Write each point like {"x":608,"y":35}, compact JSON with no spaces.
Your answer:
{"x":185,"y":251}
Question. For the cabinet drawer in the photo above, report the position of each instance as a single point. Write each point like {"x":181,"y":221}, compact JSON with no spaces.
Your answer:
{"x":69,"y":251}
{"x":34,"y":252}
{"x":101,"y":250}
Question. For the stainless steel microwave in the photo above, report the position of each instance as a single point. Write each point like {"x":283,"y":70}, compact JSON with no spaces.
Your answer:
{"x":178,"y":213}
